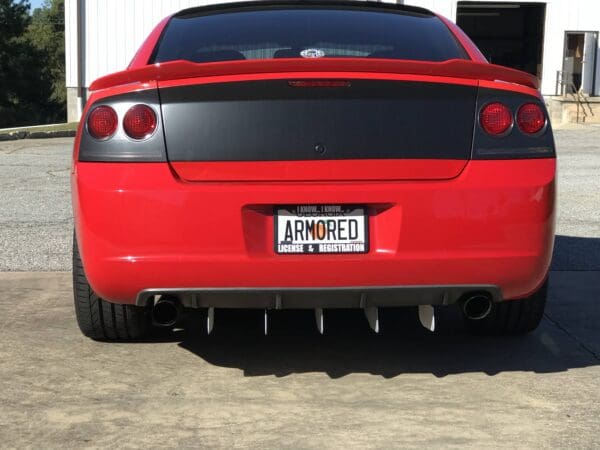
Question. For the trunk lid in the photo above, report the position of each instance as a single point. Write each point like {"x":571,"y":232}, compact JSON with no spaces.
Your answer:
{"x":293,"y":128}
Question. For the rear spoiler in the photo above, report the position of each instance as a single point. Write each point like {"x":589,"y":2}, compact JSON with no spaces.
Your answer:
{"x":455,"y":68}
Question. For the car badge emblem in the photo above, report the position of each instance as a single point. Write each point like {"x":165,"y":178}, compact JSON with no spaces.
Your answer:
{"x":312,"y":53}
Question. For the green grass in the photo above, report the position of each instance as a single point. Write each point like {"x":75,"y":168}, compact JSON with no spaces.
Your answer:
{"x":60,"y":127}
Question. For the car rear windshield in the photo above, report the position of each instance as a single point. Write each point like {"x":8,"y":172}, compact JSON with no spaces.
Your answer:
{"x":295,"y":32}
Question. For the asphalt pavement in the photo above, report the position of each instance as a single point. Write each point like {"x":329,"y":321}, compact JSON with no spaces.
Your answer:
{"x":294,"y":388}
{"x":35,"y":205}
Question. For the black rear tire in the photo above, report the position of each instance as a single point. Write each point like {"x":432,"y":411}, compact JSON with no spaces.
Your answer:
{"x":102,"y":320}
{"x":512,"y":317}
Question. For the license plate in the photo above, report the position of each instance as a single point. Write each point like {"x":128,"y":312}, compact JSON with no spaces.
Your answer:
{"x":312,"y":229}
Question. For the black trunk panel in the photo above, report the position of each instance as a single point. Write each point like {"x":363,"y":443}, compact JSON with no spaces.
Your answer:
{"x":274,"y":121}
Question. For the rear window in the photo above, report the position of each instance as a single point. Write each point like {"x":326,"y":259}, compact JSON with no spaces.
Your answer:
{"x":295,"y":32}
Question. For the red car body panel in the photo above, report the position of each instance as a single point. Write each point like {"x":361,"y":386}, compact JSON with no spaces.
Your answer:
{"x":143,"y":55}
{"x":187,"y":225}
{"x":343,"y":170}
{"x":471,"y":49}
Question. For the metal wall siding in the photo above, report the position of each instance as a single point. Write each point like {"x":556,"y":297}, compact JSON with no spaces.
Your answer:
{"x":70,"y":43}
{"x":114,"y":30}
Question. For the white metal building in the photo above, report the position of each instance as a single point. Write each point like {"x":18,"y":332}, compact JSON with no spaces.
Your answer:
{"x":549,"y":39}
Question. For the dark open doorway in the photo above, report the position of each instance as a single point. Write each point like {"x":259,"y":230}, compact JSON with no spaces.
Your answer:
{"x":509,"y":34}
{"x":579,"y":61}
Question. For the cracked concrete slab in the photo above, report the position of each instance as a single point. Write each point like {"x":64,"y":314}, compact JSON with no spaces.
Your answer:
{"x":295,"y":388}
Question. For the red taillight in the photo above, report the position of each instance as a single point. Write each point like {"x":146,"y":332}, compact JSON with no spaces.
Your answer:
{"x":102,"y":122}
{"x":139,"y":122}
{"x":531,"y":118}
{"x":496,"y":119}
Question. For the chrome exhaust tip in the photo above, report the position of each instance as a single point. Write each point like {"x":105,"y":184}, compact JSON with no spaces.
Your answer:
{"x":477,"y":306}
{"x":166,"y":312}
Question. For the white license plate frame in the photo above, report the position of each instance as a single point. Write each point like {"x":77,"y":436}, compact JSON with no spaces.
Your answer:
{"x":336,"y":229}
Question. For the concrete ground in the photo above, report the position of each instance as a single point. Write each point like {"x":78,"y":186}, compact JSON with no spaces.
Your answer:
{"x":294,"y":388}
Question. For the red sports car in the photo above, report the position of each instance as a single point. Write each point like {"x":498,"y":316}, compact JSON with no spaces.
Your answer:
{"x":311,"y":154}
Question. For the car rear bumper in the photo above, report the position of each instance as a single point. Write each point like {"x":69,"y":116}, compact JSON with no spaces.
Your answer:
{"x":322,"y":297}
{"x":142,"y":229}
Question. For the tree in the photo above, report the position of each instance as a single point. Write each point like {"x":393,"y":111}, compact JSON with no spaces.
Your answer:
{"x":31,"y":63}
{"x":13,"y":22}
{"x":47,"y":34}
